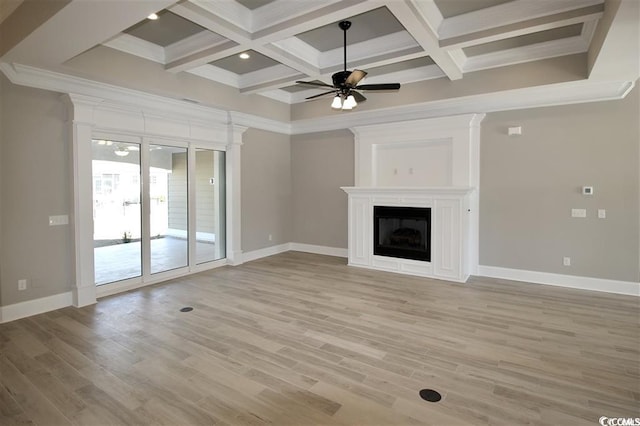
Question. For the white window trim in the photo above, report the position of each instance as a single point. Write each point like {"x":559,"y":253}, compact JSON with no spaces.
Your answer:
{"x":90,"y":117}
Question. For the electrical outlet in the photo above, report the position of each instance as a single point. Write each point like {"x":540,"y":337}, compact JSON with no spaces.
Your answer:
{"x":566,"y":261}
{"x":578,"y":212}
{"x":270,"y":237}
{"x":22,"y":285}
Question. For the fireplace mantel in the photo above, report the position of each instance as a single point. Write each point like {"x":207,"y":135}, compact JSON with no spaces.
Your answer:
{"x":431,"y":163}
{"x":409,"y":191}
{"x":450,"y":213}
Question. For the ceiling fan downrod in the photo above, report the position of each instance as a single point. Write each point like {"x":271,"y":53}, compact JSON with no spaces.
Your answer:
{"x":344,"y":26}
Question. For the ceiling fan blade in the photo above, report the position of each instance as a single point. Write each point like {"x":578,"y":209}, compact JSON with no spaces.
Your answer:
{"x":321,"y":94}
{"x":355,"y":77}
{"x":314,"y":83}
{"x":381,"y":86}
{"x":358,"y":96}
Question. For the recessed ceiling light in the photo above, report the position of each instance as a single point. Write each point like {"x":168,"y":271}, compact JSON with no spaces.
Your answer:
{"x":153,"y":17}
{"x":244,"y":55}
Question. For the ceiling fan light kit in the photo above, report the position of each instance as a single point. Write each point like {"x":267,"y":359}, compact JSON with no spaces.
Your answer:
{"x":345,"y":82}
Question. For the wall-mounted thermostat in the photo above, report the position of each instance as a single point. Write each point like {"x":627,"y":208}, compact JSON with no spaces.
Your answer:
{"x":587,"y":190}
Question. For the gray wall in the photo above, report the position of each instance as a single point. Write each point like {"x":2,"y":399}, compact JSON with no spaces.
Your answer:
{"x":321,"y":163}
{"x":35,"y":184}
{"x":266,"y":189}
{"x":530,"y":183}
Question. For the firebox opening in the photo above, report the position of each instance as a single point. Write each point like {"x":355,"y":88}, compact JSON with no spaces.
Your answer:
{"x":403,"y":232}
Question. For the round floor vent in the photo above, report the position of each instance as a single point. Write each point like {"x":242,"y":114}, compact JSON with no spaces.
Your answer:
{"x":430,"y":395}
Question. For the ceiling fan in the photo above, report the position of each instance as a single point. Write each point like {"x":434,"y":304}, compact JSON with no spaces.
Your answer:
{"x":346,"y":82}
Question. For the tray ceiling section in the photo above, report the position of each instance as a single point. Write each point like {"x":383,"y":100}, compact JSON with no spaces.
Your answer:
{"x":393,"y":40}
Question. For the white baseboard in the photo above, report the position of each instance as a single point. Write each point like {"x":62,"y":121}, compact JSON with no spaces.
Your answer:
{"x":267,"y":251}
{"x":584,"y":283}
{"x":306,"y":248}
{"x":35,"y":306}
{"x":328,"y":251}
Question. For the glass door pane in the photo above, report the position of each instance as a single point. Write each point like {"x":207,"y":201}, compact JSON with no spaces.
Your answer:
{"x":168,"y":207}
{"x":210,"y":205}
{"x":116,"y":210}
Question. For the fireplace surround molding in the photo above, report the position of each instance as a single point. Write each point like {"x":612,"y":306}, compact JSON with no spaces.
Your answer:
{"x":431,"y":163}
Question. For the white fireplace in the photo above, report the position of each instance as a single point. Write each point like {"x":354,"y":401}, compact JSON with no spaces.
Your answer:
{"x":432,"y":165}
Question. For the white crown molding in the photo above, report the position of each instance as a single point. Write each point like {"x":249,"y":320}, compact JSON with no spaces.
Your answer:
{"x":540,"y":96}
{"x":560,"y":280}
{"x":256,"y":122}
{"x":533,"y":52}
{"x":57,"y":82}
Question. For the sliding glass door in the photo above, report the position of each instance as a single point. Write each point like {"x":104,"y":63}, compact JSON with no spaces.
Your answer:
{"x":116,"y":210}
{"x":145,"y":198}
{"x":169,"y":208}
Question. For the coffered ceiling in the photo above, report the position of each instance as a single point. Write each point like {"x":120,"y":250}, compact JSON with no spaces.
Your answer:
{"x":393,"y":40}
{"x":401,"y":41}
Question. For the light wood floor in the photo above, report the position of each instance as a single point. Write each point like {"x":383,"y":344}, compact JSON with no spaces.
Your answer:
{"x":300,"y":339}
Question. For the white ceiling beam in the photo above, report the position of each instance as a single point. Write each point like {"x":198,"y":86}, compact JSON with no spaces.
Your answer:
{"x":388,"y":44}
{"x":227,"y":25}
{"x":214,"y":73}
{"x":299,"y":49}
{"x":534,"y":52}
{"x":505,"y":14}
{"x":228,"y":10}
{"x":206,"y":56}
{"x":286,"y":58}
{"x":276,"y":77}
{"x":198,"y":42}
{"x":138,"y":47}
{"x":281,"y":10}
{"x":615,"y":49}
{"x":77,"y":27}
{"x":326,"y":15}
{"x":415,"y":23}
{"x":548,"y":22}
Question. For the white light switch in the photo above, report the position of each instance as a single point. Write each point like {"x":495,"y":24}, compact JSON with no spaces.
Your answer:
{"x":578,"y":212}
{"x":62,"y":219}
{"x":514,"y":131}
{"x":602,"y":214}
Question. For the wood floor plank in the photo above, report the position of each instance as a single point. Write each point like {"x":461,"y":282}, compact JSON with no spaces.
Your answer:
{"x":302,"y":339}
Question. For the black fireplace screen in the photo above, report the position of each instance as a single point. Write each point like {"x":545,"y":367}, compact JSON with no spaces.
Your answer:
{"x":403,"y":232}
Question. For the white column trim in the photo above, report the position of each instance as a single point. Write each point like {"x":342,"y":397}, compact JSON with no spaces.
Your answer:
{"x":80,"y":127}
{"x":234,"y":197}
